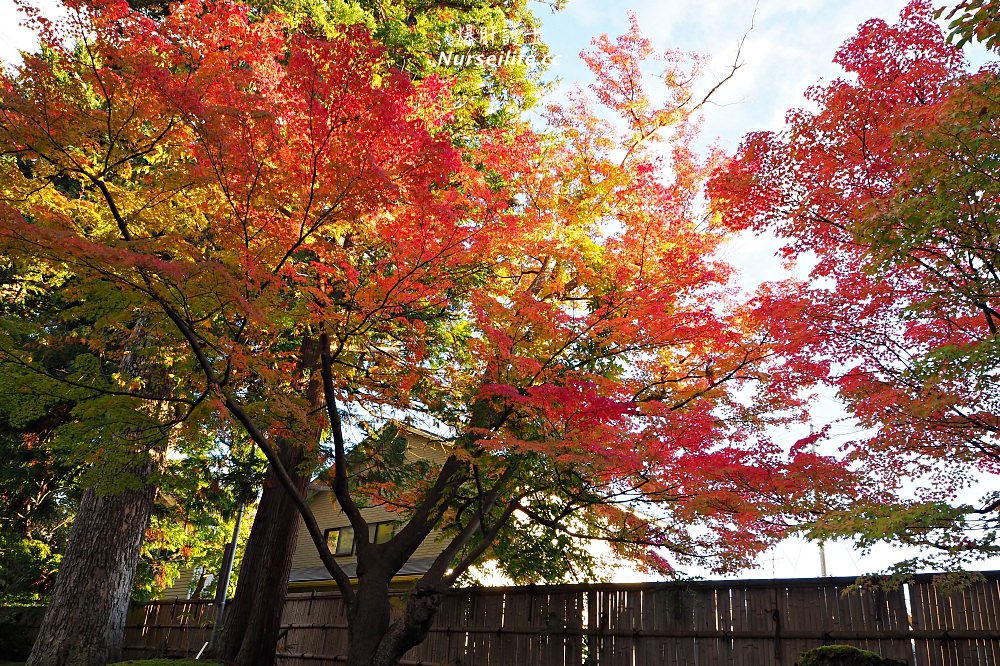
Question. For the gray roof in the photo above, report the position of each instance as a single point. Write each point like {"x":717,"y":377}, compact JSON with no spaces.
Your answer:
{"x":417,"y":565}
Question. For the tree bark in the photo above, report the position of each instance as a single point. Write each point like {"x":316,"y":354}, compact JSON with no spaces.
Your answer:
{"x":410,"y":629}
{"x":251,"y":623}
{"x":379,"y":635}
{"x":85,"y":621}
{"x":253,"y":618}
{"x":369,"y":620}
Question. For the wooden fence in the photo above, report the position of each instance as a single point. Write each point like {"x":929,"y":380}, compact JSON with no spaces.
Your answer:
{"x":725,"y":623}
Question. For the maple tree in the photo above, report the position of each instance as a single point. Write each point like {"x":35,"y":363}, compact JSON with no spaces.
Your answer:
{"x":890,"y":187}
{"x":422,"y":38}
{"x":490,"y":95}
{"x":970,"y":20}
{"x":276,"y":224}
{"x":147,"y":174}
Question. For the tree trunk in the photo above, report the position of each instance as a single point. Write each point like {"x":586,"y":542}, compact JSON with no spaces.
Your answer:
{"x":252,"y":621}
{"x":375,"y":637}
{"x":369,"y":620}
{"x":85,"y":621}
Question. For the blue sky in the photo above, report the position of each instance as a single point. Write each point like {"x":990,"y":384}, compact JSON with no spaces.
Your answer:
{"x":789,"y":48}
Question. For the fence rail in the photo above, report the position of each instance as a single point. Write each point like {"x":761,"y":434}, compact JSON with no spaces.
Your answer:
{"x":724,"y":623}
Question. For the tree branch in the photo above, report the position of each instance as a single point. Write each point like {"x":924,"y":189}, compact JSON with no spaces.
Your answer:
{"x":340,"y":485}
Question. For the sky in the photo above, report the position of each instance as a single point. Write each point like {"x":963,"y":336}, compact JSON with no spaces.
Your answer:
{"x":787,"y":45}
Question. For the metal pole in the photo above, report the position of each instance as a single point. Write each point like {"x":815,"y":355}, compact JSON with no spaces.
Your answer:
{"x":822,"y":543}
{"x":226,"y":574}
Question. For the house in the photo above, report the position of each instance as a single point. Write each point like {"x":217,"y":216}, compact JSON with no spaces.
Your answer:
{"x":422,"y":449}
{"x":397,"y":447}
{"x":417,"y":450}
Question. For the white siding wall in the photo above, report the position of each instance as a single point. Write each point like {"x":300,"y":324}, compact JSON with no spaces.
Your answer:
{"x":179,"y":590}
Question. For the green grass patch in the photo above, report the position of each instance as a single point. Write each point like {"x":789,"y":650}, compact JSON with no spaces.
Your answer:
{"x":167,"y":662}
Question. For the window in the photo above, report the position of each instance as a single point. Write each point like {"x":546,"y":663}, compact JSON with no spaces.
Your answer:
{"x":381,"y":532}
{"x":341,"y":540}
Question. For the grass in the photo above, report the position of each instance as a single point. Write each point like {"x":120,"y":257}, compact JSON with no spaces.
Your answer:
{"x":165,"y":662}
{"x":145,"y":662}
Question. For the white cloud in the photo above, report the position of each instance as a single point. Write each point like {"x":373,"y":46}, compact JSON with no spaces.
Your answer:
{"x":790,"y":47}
{"x":14,"y":37}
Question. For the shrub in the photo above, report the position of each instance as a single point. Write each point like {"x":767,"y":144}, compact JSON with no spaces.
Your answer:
{"x":844,"y":655}
{"x":18,"y":628}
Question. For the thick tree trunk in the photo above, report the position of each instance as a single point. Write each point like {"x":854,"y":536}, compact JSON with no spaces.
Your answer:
{"x":252,"y":620}
{"x":410,"y":629}
{"x":251,"y":623}
{"x":377,"y":636}
{"x":85,"y":620}
{"x":369,"y":619}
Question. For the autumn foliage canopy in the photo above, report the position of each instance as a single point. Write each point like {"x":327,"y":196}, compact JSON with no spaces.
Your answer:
{"x":549,"y":298}
{"x":253,"y":231}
